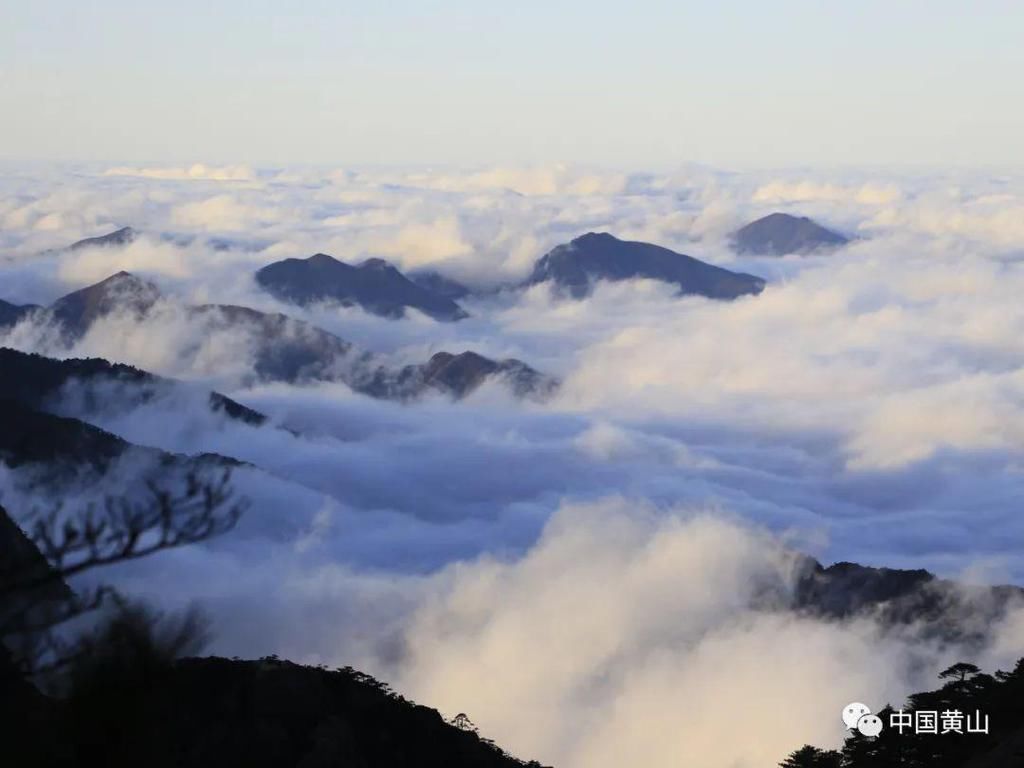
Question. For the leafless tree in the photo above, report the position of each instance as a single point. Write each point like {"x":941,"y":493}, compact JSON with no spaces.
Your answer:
{"x":35,"y":601}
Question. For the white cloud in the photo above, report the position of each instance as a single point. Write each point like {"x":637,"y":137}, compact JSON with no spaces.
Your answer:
{"x":999,"y":221}
{"x":143,"y":256}
{"x":537,"y":181}
{"x":196,"y":172}
{"x":223,"y":212}
{"x":420,"y":245}
{"x":812,"y":191}
{"x":627,"y":636}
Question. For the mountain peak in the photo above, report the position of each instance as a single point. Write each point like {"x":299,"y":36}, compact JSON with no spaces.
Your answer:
{"x":123,"y":281}
{"x":591,"y":238}
{"x":778,"y":234}
{"x":122,"y":291}
{"x":322,"y":258}
{"x":122,"y":236}
{"x":120,"y":277}
{"x":375,"y":285}
{"x":577,"y":265}
{"x":459,"y":374}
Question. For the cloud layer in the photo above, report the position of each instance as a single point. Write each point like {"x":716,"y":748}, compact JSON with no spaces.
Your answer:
{"x":579,"y":576}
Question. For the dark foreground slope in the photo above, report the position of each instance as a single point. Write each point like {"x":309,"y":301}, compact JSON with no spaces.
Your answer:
{"x":59,"y":449}
{"x":220,"y":713}
{"x":124,"y":700}
{"x":272,"y":713}
{"x":56,"y":442}
{"x":28,"y":586}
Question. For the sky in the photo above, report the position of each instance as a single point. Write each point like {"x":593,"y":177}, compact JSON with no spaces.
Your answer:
{"x":645,"y":84}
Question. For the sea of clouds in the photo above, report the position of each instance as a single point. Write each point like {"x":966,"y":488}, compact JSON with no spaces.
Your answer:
{"x":578,"y":575}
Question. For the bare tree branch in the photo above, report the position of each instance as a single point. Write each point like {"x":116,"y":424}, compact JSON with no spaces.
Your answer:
{"x":34,"y":600}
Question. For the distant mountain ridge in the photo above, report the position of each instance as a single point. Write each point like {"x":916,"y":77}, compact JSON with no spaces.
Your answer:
{"x":11,"y":314}
{"x":778,"y":234}
{"x":462,"y":373}
{"x":458,"y":376}
{"x":33,"y":433}
{"x":64,"y":448}
{"x":440,"y":284}
{"x":375,"y":285}
{"x":285,"y":349}
{"x":938,"y":608}
{"x":290,"y":350}
{"x":35,"y":381}
{"x":122,"y":236}
{"x":575,"y":267}
{"x":32,"y":437}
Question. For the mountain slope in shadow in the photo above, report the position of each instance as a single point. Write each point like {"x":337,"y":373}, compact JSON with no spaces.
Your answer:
{"x":11,"y":314}
{"x":574,"y":267}
{"x":63,"y":448}
{"x":39,"y":382}
{"x":936,"y":608}
{"x":375,"y":285}
{"x":458,"y":376}
{"x":197,"y":713}
{"x":122,"y":236}
{"x":290,"y":350}
{"x":442,"y":285}
{"x":122,"y":293}
{"x":778,"y":234}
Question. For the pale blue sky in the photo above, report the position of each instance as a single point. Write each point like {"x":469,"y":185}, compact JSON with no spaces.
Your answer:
{"x":643,"y":84}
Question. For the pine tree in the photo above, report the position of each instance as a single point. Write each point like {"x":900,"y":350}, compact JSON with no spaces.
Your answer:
{"x":812,"y":757}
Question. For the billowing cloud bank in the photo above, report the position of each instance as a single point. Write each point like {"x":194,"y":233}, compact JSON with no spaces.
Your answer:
{"x":626,"y":636}
{"x":582,"y":577}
